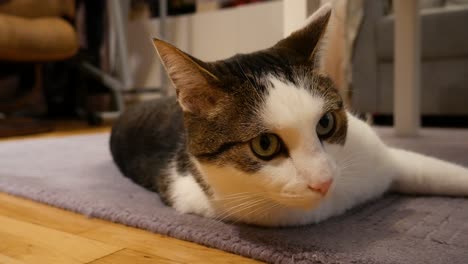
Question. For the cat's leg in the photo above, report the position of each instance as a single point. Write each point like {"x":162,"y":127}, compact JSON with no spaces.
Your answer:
{"x":419,"y":174}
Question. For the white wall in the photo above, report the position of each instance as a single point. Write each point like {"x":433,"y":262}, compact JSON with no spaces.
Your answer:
{"x":207,"y":36}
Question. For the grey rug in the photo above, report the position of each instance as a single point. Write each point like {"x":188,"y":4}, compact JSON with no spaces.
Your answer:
{"x":77,"y":173}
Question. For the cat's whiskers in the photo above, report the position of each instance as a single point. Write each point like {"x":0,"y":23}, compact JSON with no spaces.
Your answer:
{"x":242,"y":202}
{"x":240,"y":208}
{"x":266,"y":211}
{"x":232,"y":202}
{"x":356,"y":154}
{"x":263,"y":209}
{"x":260,"y":209}
{"x":236,"y":195}
{"x":352,"y":159}
{"x":350,"y":163}
{"x":245,"y":202}
{"x":350,"y":168}
{"x":247,"y":211}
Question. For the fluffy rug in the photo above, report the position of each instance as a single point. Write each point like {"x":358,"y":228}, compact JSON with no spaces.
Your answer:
{"x":77,"y":173}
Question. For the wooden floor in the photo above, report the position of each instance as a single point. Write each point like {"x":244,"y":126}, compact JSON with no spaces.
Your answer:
{"x":31,"y":232}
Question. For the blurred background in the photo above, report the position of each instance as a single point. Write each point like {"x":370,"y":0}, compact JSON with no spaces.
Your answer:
{"x":77,"y":63}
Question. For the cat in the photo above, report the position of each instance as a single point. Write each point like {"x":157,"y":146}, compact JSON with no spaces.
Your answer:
{"x":264,"y":139}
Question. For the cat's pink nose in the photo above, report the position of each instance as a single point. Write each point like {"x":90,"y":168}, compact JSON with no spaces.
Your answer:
{"x":322,"y":187}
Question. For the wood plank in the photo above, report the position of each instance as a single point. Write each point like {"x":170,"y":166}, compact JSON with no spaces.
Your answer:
{"x":61,"y":133}
{"x":19,"y":249}
{"x":31,"y":232}
{"x":37,"y":244}
{"x":8,"y":260}
{"x":126,"y":256}
{"x":166,"y":247}
{"x":48,"y":216}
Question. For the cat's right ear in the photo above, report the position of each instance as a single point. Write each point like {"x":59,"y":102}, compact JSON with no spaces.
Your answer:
{"x":196,"y":86}
{"x":306,"y":40}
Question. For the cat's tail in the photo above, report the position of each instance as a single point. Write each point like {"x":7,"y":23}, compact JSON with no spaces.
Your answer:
{"x":420,"y":174}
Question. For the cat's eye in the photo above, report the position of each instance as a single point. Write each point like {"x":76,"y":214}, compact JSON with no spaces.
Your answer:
{"x":266,"y":146}
{"x":326,"y":125}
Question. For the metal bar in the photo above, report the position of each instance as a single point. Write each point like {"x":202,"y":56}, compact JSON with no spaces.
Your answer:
{"x":113,"y":84}
{"x":162,"y":35}
{"x":119,"y":11}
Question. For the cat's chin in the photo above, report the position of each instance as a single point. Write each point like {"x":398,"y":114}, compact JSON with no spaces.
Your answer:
{"x":305,"y":202}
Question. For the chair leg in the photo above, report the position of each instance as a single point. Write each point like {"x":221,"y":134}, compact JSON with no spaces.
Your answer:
{"x":32,"y":101}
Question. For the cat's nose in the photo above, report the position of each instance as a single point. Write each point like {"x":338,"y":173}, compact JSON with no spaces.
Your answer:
{"x":322,"y":187}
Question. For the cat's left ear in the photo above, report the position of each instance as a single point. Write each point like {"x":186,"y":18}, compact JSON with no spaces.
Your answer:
{"x":197,"y":88}
{"x":306,"y":40}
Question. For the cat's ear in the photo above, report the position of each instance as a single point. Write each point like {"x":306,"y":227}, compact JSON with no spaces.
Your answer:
{"x":196,"y":86}
{"x":306,"y":40}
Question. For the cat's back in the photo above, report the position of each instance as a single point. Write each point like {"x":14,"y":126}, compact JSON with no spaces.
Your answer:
{"x":144,"y":139}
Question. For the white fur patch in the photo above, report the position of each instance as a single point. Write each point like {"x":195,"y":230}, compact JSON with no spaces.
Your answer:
{"x":289,"y":106}
{"x":293,"y":113}
{"x":187,"y":195}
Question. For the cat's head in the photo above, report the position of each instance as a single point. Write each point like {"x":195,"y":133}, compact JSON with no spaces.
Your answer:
{"x":259,"y":123}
